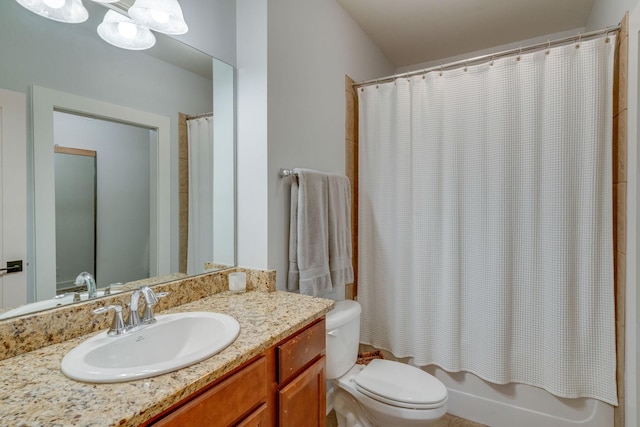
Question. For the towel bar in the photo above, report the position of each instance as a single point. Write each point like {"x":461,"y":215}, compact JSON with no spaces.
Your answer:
{"x":282,"y":173}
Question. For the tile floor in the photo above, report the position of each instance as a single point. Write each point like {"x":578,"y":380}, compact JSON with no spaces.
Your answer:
{"x":446,"y":421}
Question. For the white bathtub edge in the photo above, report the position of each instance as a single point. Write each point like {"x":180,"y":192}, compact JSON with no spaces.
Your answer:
{"x":501,"y":414}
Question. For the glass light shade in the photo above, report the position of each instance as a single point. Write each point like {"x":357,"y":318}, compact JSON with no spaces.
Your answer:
{"x":164,"y":16}
{"x":123,"y":32}
{"x":69,"y":11}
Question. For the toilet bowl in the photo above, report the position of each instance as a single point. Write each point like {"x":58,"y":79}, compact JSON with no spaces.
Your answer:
{"x":383,"y":393}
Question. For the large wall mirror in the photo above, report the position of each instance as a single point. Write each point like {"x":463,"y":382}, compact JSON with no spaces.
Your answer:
{"x":84,"y":94}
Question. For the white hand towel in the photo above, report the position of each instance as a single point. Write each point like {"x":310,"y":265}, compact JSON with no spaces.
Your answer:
{"x":311,"y":252}
{"x":339,"y":201}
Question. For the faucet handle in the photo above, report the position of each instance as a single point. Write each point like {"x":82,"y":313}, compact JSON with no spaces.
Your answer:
{"x":108,"y":290}
{"x":151,"y":300}
{"x":117,"y":325}
{"x":133,"y":319}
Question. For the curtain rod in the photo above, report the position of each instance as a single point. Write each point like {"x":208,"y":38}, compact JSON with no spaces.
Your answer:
{"x":492,"y":56}
{"x":197,"y":116}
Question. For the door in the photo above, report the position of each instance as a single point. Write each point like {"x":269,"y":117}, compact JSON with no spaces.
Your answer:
{"x":13,"y":196}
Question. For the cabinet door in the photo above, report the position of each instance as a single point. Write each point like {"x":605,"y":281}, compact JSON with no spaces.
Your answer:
{"x":301,"y":403}
{"x":226,"y":402}
{"x":258,"y":418}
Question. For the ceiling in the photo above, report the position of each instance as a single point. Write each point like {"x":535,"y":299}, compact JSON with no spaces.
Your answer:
{"x":416,"y":31}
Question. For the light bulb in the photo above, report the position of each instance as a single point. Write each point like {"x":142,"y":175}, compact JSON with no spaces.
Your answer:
{"x":55,"y":4}
{"x":160,"y":16}
{"x":123,"y":32}
{"x":127,"y":29}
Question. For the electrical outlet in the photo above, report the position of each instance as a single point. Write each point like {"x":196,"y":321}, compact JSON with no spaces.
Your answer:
{"x":14,"y":266}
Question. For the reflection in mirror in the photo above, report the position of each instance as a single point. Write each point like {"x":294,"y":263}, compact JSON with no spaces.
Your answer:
{"x":122,"y":210}
{"x":71,"y":59}
{"x":76,"y":199}
{"x":154,"y":135}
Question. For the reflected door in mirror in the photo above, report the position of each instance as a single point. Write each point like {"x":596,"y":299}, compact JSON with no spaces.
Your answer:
{"x":75,"y":184}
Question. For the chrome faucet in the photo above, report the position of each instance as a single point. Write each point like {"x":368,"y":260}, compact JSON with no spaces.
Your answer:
{"x":87,"y":279}
{"x":133,"y":322}
{"x":151,"y":299}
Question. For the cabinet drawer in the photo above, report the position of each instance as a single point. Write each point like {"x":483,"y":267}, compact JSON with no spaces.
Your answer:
{"x":298,"y":351}
{"x":226,"y":402}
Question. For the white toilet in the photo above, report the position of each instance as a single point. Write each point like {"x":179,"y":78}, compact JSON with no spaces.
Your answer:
{"x":383,"y":393}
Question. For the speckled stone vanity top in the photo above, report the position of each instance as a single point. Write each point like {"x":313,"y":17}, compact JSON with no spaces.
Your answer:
{"x":34,"y":392}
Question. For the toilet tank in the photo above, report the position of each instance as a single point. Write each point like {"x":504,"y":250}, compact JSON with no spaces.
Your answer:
{"x":343,"y":338}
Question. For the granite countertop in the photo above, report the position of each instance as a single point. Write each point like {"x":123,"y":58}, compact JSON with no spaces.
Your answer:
{"x":34,"y":392}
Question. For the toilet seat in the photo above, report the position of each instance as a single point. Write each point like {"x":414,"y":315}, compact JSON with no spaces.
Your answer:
{"x":400,"y":385}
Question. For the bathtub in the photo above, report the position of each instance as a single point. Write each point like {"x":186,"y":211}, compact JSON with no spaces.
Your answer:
{"x":517,"y":404}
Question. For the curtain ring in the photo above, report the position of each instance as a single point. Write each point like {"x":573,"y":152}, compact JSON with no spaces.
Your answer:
{"x":441,"y":70}
{"x":579,"y":40}
{"x":493,"y":57}
{"x":607,"y":39}
{"x":519,"y":54}
{"x":548,"y":47}
{"x":465,"y":65}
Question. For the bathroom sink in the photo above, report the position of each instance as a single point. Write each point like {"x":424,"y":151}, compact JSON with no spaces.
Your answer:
{"x":173,"y":342}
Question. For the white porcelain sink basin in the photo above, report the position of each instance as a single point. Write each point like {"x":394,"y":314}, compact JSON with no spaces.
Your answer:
{"x":174,"y":342}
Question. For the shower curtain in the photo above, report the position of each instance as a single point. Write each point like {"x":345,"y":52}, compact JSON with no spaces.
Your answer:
{"x":485,"y":219}
{"x":200,"y":240}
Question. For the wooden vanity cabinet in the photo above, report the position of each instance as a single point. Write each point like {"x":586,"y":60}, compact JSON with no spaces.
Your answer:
{"x":283,"y":386}
{"x":302,"y":402}
{"x":240,"y":399}
{"x":301,"y":394}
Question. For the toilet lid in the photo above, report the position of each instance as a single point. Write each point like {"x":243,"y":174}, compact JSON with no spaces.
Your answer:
{"x":398,"y":384}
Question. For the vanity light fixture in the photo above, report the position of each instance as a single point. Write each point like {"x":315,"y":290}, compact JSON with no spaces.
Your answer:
{"x":69,"y":11}
{"x":164,"y":16}
{"x":133,"y":33}
{"x":124,"y":32}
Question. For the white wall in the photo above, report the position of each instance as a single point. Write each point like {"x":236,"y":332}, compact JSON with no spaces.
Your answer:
{"x":252,"y":233}
{"x":212,"y":27}
{"x":311,"y":46}
{"x":608,"y":13}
